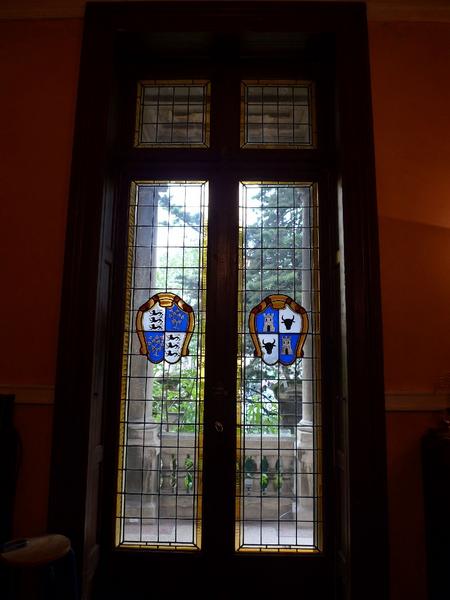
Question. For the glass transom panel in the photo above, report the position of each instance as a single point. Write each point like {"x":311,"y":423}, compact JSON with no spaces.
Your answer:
{"x":159,"y":491}
{"x":172,"y":114}
{"x":279,"y":492}
{"x":277,"y":114}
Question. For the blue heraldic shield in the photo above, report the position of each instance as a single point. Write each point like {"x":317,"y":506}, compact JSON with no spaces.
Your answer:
{"x":164,"y":325}
{"x":278,"y":327}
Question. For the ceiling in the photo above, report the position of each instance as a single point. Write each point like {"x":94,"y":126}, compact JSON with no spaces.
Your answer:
{"x":378,"y":10}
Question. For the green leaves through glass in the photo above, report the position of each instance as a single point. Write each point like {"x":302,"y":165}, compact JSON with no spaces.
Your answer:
{"x":279,"y":422}
{"x":160,"y":474}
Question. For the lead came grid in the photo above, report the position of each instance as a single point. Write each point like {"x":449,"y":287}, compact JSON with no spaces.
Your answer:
{"x":277,"y":115}
{"x":160,"y":462}
{"x":279,"y":504}
{"x":174,"y":114}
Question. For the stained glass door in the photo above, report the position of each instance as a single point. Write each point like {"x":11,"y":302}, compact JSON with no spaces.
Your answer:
{"x":278,"y":480}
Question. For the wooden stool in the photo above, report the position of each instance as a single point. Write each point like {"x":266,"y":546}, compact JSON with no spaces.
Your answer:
{"x":39,"y":564}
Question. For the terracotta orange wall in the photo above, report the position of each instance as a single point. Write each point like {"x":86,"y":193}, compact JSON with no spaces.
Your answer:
{"x":39,"y":70}
{"x":411,"y":99}
{"x":411,"y":93}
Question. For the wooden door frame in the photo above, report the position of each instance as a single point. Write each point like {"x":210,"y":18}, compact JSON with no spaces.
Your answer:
{"x":79,"y":434}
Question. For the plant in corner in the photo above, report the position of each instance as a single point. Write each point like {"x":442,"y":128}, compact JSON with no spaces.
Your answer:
{"x":278,"y":477}
{"x":264,"y":474}
{"x":189,"y":477}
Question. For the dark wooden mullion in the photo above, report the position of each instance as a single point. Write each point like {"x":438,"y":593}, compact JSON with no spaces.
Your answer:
{"x":364,"y":458}
{"x":220,"y":389}
{"x":114,"y":364}
{"x":330,"y":347}
{"x":252,"y":170}
{"x":221,"y":329}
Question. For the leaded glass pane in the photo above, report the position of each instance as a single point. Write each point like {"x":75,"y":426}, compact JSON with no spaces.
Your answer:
{"x":277,"y":114}
{"x":279,"y":425}
{"x":160,"y":461}
{"x":172,"y":114}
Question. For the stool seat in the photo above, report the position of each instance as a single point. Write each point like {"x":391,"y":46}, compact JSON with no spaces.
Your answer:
{"x":38,"y":551}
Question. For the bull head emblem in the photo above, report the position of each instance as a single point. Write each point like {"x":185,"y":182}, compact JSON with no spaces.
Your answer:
{"x":288,"y":322}
{"x":278,"y":327}
{"x":269,"y":346}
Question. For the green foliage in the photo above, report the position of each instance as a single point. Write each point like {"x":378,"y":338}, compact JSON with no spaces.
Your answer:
{"x":278,"y":477}
{"x":272,"y":258}
{"x":261,"y":416}
{"x":177,"y":396}
{"x":173,"y":473}
{"x":278,"y":481}
{"x":264,"y":481}
{"x":264,"y":473}
{"x":273,"y":240}
{"x":189,"y":477}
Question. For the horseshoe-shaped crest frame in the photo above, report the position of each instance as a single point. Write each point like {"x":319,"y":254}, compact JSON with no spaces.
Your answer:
{"x":278,"y":302}
{"x":166,"y":300}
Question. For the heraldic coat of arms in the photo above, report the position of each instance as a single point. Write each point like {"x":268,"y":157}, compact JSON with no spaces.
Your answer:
{"x":278,"y":328}
{"x":164,"y":325}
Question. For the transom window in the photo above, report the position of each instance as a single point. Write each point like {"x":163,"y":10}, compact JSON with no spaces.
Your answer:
{"x":172,"y":113}
{"x":277,"y":114}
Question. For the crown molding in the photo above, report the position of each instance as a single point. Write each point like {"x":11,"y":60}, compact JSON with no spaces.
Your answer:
{"x":394,"y":10}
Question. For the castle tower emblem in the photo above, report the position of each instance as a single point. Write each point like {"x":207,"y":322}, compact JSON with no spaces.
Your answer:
{"x":286,"y":345}
{"x":278,"y":327}
{"x":269,"y":326}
